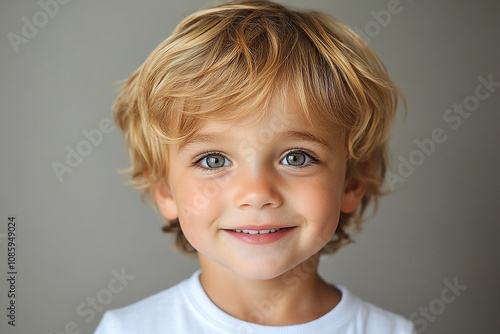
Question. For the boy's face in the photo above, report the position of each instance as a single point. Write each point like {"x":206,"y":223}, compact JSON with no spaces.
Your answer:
{"x":272,"y":175}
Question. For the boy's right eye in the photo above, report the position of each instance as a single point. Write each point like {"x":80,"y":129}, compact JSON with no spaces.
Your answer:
{"x":213,"y":161}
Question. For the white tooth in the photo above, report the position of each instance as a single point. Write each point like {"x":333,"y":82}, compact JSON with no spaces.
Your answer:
{"x":253,"y":232}
{"x":264,"y":232}
{"x":273,"y":230}
{"x":244,"y":231}
{"x":239,"y":231}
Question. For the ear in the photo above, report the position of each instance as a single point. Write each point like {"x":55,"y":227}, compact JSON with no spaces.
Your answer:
{"x":354,"y":190}
{"x":165,"y":201}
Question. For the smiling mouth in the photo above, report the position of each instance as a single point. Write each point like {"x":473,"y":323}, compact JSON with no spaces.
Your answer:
{"x":260,"y":235}
{"x":263,"y":231}
{"x":258,"y":231}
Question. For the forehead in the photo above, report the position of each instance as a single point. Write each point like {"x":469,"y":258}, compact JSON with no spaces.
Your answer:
{"x":280,"y":119}
{"x":278,"y":112}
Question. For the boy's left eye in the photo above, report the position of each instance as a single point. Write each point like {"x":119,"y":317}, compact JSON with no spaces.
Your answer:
{"x":297,"y":159}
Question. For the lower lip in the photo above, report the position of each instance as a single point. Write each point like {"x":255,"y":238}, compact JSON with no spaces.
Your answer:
{"x":261,"y":239}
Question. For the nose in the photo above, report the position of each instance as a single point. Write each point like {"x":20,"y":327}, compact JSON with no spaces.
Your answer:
{"x":257,"y":190}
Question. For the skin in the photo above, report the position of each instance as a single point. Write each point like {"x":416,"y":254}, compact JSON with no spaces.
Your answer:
{"x":261,"y":182}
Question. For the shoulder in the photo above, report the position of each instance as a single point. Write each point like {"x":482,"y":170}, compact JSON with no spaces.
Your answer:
{"x":373,"y":319}
{"x":151,"y":313}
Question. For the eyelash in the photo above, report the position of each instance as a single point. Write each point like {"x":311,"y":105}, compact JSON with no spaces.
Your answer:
{"x":206,"y":154}
{"x":312,"y":157}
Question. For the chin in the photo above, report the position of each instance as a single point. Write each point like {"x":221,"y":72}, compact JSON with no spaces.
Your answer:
{"x":260,"y":275}
{"x":261,"y":271}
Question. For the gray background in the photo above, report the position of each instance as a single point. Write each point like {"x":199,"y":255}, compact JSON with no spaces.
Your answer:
{"x":441,"y":224}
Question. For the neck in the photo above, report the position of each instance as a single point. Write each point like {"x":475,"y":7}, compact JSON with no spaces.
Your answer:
{"x":295,"y":297}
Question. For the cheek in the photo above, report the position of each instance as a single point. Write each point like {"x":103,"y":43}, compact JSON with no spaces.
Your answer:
{"x":198,"y":203}
{"x":319,"y":203}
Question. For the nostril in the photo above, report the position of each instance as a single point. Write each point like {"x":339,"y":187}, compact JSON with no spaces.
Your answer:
{"x":270,"y":204}
{"x":259,"y":204}
{"x":256,"y":191}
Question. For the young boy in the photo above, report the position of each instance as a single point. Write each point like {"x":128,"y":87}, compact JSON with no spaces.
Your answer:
{"x":260,"y":133}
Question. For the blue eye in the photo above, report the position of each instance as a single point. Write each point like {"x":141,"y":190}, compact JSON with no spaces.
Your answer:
{"x":297,"y":159}
{"x":213,"y":161}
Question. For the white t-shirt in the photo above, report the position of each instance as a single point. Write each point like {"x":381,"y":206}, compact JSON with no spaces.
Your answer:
{"x":186,"y":308}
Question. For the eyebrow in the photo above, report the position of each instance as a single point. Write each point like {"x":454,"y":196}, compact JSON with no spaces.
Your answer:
{"x":217,"y":137}
{"x":303,"y":136}
{"x":205,"y":138}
